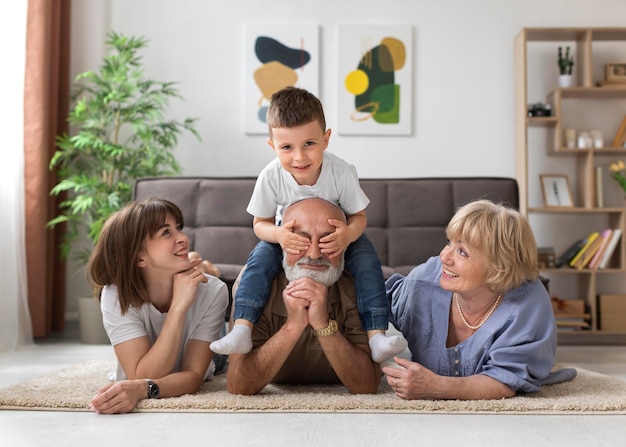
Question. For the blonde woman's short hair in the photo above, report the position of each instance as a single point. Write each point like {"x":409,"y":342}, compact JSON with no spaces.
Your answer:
{"x":504,"y":238}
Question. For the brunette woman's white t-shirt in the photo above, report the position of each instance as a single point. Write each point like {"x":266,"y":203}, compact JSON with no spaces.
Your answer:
{"x":204,"y":320}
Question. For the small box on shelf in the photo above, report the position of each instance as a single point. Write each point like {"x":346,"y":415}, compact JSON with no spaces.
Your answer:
{"x":546,"y":257}
{"x":612,"y":312}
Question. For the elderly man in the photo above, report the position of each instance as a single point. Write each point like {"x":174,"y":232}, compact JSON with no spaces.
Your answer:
{"x":310,"y":330}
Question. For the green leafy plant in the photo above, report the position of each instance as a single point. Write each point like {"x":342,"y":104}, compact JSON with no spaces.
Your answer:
{"x":119,"y":134}
{"x":566,"y":63}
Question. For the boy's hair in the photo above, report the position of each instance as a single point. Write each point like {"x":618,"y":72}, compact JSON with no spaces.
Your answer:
{"x":115,"y":256}
{"x":505,"y":239}
{"x":292,"y":106}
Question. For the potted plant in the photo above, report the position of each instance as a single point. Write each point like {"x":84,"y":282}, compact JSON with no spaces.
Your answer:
{"x":118,"y":134}
{"x":566,"y":64}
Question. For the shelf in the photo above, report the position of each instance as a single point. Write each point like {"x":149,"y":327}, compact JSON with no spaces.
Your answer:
{"x":577,"y":210}
{"x":608,"y":92}
{"x":571,"y":270}
{"x":542,"y":121}
{"x":542,"y":150}
{"x":585,"y":151}
{"x":564,"y":34}
{"x":590,"y":337}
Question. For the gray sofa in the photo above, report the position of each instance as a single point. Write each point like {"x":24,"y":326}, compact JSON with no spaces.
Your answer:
{"x":406,"y":217}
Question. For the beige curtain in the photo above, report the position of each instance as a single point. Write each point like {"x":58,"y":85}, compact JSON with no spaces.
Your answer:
{"x":46,"y":102}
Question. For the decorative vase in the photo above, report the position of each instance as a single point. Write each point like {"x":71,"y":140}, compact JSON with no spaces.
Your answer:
{"x":565,"y":81}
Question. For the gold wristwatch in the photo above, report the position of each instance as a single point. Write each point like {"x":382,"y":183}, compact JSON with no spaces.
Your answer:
{"x":328,"y":330}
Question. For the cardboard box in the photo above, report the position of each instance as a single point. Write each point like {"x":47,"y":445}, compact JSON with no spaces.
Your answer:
{"x":612,"y":312}
{"x":568,"y":307}
{"x":615,"y":72}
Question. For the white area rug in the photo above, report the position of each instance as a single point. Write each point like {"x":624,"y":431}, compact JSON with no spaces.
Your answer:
{"x":71,"y":390}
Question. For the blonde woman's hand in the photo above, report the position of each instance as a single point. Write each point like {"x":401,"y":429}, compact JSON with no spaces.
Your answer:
{"x":412,"y":380}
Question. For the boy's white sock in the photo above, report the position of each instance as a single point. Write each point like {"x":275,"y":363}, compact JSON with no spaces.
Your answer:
{"x":237,"y":341}
{"x":383,"y":347}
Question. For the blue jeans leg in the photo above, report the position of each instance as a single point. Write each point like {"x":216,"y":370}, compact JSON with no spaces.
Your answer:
{"x":363,"y":263}
{"x":263,"y":264}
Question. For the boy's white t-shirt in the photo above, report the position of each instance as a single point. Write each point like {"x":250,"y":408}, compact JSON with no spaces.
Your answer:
{"x":204,"y":320}
{"x":275,"y":188}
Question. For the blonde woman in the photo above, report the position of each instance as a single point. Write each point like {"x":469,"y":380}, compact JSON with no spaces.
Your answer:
{"x":478,"y":321}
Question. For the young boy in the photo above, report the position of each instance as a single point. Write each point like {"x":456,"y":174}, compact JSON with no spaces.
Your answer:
{"x":298,"y":136}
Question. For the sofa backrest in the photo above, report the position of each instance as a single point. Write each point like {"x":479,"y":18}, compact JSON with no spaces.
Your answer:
{"x":406,"y":217}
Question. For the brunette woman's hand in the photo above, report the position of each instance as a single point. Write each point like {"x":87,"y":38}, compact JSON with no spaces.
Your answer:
{"x":186,"y":285}
{"x":119,"y":397}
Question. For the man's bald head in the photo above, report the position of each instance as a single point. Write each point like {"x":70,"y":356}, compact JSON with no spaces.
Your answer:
{"x":311,"y":208}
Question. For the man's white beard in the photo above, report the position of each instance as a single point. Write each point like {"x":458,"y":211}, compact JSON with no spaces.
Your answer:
{"x":327,"y":277}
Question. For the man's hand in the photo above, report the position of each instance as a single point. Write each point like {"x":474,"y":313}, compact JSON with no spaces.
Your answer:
{"x":313,"y":296}
{"x":292,"y":242}
{"x":297,"y":306}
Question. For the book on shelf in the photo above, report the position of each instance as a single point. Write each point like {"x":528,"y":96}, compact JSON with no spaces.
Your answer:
{"x":568,"y":254}
{"x":605,"y":237}
{"x":589,"y":253}
{"x":572,"y":323}
{"x":599,"y":191}
{"x":618,"y":141}
{"x":570,"y":314}
{"x":610,"y":248}
{"x":590,"y":239}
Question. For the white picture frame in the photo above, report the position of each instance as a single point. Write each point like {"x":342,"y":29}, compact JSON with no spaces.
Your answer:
{"x":277,"y":56}
{"x":375,"y":80}
{"x":556,"y":191}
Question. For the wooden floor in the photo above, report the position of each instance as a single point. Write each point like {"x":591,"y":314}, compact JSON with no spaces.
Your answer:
{"x":49,"y":428}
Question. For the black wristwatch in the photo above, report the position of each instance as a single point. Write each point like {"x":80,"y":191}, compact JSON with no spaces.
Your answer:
{"x":153,"y":390}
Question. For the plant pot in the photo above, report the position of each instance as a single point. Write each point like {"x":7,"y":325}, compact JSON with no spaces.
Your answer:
{"x":565,"y":81}
{"x":90,"y":322}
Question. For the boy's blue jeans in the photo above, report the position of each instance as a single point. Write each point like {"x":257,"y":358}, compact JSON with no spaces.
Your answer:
{"x":361,"y":260}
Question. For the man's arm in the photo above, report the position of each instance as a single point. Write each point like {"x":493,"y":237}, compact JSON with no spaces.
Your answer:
{"x":250,"y":373}
{"x":353,"y":364}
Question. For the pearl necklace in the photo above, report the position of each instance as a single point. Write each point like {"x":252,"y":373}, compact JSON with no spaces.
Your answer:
{"x":458,"y":306}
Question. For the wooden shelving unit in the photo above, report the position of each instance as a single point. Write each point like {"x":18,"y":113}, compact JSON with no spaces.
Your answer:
{"x":540,"y":150}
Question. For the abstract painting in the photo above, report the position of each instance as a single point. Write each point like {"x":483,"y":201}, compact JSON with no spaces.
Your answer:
{"x":375,"y":79}
{"x":277,"y":56}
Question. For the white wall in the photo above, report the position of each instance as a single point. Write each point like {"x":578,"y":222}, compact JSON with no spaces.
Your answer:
{"x":463,"y":66}
{"x":463,"y":74}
